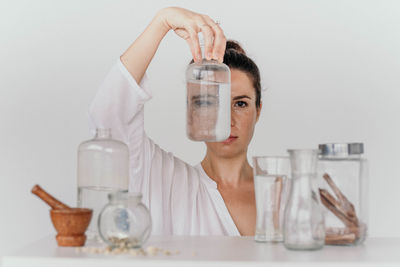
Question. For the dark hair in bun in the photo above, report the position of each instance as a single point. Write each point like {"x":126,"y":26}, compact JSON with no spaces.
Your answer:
{"x":230,"y":44}
{"x":235,"y":58}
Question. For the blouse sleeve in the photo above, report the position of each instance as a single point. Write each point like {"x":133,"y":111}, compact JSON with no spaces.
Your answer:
{"x":119,"y":105}
{"x":157,"y":174}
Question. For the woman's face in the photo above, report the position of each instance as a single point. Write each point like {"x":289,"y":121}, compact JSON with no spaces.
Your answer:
{"x":244,"y":116}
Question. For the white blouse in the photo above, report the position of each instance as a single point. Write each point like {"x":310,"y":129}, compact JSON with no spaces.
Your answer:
{"x":181,"y":198}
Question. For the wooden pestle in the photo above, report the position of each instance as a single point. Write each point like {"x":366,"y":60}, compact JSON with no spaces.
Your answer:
{"x":49,"y":199}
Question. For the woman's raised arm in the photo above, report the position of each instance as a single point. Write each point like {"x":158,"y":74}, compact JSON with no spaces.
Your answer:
{"x":186,"y":24}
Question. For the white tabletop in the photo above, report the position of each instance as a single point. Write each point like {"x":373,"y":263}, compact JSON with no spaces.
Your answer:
{"x":212,"y":251}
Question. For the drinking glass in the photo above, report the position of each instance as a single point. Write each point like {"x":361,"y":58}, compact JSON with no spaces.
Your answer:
{"x":271,"y":189}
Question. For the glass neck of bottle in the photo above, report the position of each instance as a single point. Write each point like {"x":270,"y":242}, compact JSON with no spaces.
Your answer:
{"x":125,"y":197}
{"x":103,"y":133}
{"x":303,"y":161}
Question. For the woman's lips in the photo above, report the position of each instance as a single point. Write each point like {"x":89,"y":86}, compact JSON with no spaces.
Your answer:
{"x":230,"y":139}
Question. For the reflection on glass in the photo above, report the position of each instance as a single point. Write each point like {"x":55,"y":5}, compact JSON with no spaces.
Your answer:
{"x":207,"y":107}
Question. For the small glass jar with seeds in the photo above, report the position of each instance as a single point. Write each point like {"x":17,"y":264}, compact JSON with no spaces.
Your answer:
{"x":125,"y":221}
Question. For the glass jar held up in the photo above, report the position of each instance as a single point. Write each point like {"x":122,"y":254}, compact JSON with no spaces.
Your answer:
{"x":208,"y":113}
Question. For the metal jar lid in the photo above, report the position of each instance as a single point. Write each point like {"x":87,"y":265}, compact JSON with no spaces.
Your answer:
{"x":341,"y":149}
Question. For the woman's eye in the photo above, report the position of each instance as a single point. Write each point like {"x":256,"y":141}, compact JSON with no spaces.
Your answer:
{"x":241,"y":104}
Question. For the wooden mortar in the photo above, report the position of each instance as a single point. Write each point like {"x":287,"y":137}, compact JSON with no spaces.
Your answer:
{"x":70,"y":223}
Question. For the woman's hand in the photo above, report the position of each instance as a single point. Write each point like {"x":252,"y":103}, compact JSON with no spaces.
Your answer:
{"x":188,"y":24}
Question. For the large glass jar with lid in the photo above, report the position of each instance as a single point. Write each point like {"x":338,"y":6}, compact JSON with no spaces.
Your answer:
{"x":102,"y":168}
{"x":125,"y":221}
{"x":208,"y":114}
{"x":343,"y":192}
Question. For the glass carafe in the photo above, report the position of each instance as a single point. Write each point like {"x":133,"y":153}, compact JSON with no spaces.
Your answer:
{"x":304,"y":227}
{"x":208,"y":114}
{"x":102,"y":168}
{"x":124,"y":221}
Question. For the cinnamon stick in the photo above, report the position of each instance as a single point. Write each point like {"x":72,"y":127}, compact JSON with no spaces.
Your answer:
{"x":277,"y":195}
{"x":345,"y":211}
{"x":345,"y":204}
{"x":336,"y":208}
{"x":341,"y":236}
{"x":340,"y":239}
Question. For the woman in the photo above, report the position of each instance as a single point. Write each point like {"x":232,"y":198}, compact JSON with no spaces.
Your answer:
{"x":215,"y":197}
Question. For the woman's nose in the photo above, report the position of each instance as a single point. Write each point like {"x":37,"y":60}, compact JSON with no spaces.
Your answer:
{"x":233,"y":119}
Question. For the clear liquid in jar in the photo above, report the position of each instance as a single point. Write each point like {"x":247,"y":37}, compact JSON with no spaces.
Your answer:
{"x":208,"y":110}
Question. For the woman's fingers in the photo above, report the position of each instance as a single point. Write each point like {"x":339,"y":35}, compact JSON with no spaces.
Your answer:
{"x":188,"y":24}
{"x":208,"y":36}
{"x":219,"y":43}
{"x":193,"y":42}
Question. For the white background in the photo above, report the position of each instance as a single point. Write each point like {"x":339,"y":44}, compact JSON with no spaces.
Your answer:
{"x":331,"y":69}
